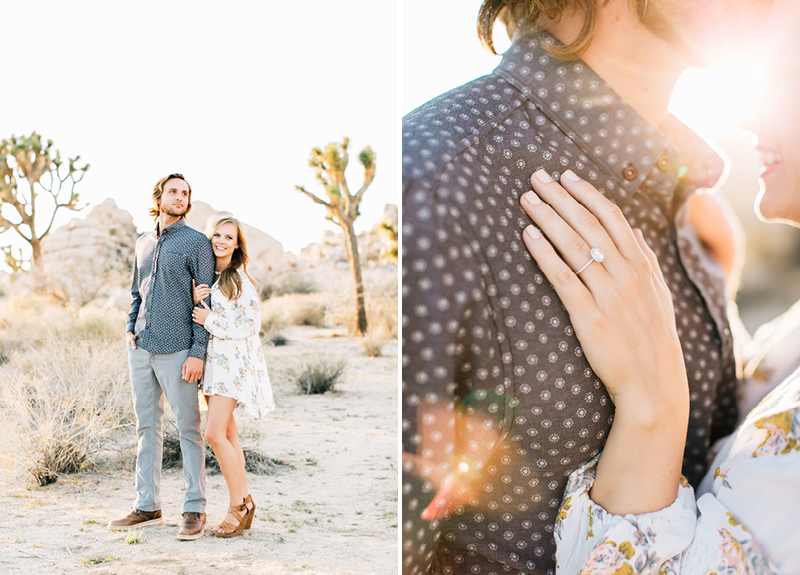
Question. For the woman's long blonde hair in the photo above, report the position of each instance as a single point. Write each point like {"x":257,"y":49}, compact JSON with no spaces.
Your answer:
{"x":230,"y":283}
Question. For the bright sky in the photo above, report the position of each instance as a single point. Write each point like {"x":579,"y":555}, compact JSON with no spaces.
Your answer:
{"x":233,"y":95}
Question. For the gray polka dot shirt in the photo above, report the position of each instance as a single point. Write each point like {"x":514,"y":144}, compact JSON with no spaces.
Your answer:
{"x":496,"y":389}
{"x":161,"y":310}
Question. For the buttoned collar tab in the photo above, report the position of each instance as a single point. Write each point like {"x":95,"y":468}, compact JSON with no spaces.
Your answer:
{"x":170,"y":229}
{"x":609,"y":132}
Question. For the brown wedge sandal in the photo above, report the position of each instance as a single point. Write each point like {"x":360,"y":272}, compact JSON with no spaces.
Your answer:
{"x":240,"y":513}
{"x":251,"y":514}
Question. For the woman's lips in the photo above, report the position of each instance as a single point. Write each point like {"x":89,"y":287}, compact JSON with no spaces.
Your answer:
{"x":769,"y":160}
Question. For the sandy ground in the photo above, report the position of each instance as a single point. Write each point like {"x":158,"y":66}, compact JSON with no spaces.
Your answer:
{"x":333,"y":511}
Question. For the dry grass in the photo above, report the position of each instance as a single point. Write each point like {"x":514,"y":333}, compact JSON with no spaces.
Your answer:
{"x":60,"y":402}
{"x":256,"y":461}
{"x":27,"y":320}
{"x":380,"y":295}
{"x":318,"y":375}
{"x":294,"y":309}
{"x":273,"y":321}
{"x":374,"y":340}
{"x":285,"y":283}
{"x":335,"y":305}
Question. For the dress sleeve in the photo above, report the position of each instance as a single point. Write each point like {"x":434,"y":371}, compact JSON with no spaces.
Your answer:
{"x":238,"y":319}
{"x":591,"y":540}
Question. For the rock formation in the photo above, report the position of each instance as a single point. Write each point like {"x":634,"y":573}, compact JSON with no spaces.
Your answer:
{"x":83,"y":258}
{"x":90,"y":258}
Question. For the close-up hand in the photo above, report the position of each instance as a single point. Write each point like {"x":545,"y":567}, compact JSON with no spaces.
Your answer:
{"x":199,"y":315}
{"x":610,"y":282}
{"x":192,"y":370}
{"x":200,"y":292}
{"x":130,"y":339}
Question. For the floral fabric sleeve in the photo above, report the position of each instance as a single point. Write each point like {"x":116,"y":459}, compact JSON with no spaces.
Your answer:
{"x":591,"y":541}
{"x":235,"y":319}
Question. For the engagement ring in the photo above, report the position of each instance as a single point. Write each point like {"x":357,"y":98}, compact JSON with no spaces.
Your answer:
{"x":596,"y":256}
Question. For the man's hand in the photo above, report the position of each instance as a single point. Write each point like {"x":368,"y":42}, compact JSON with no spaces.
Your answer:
{"x":192,"y":369}
{"x":130,"y":339}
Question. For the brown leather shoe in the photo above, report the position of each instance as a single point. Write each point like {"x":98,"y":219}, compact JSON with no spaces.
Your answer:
{"x":192,"y":526}
{"x":136,"y":518}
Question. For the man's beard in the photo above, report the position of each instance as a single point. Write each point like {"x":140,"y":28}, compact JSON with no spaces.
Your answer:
{"x":173,"y":212}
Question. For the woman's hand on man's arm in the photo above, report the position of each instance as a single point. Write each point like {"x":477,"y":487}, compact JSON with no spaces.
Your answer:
{"x":622,"y":313}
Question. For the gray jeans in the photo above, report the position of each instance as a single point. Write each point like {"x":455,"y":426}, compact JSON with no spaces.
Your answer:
{"x":152,"y":377}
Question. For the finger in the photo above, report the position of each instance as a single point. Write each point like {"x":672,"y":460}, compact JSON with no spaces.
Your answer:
{"x":572,"y":291}
{"x":574,"y":216}
{"x":574,"y":250}
{"x":649,"y":254}
{"x":193,"y":286}
{"x":184,"y":374}
{"x":204,"y":305}
{"x":606,"y":212}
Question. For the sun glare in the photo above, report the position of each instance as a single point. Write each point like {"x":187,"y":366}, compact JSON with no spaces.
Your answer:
{"x":711,"y":101}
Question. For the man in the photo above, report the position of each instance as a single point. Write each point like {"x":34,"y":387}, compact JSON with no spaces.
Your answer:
{"x":499,"y":403}
{"x":166,"y":351}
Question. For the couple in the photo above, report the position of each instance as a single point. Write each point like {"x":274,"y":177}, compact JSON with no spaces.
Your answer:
{"x":515,"y":366}
{"x":173,"y":344}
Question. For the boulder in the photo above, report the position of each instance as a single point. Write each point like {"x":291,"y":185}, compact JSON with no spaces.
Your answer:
{"x":81,"y":258}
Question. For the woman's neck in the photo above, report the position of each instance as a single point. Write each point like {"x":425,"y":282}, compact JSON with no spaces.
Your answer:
{"x":223,"y":263}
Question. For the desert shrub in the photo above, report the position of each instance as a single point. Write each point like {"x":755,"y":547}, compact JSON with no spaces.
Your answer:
{"x":60,"y":402}
{"x":304,"y":310}
{"x":24,"y":321}
{"x":277,"y":340}
{"x":255,"y":460}
{"x":286,"y":283}
{"x":273,"y":320}
{"x":373,"y":341}
{"x":318,"y":375}
{"x":295,"y":309}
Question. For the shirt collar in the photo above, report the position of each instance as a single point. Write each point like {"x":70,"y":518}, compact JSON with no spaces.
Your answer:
{"x":172,"y":228}
{"x":609,"y":132}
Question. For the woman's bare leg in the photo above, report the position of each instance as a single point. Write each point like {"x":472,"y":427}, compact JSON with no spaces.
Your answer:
{"x":233,"y":438}
{"x":218,"y":421}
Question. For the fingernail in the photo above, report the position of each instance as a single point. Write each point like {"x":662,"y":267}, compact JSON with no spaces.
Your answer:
{"x":570,"y":175}
{"x":543,"y":176}
{"x":531,"y":198}
{"x":532,"y":233}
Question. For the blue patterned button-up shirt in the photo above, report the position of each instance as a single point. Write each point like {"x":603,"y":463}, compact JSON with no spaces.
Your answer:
{"x":494,"y":377}
{"x":161,"y":311}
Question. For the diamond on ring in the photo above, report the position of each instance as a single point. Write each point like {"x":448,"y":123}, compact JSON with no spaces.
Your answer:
{"x":597,"y":255}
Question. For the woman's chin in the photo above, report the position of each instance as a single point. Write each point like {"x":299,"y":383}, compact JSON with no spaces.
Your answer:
{"x":772,"y":207}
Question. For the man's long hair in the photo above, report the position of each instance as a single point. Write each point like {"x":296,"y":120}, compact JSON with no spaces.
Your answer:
{"x":158,"y":191}
{"x":230,"y":282}
{"x":542,"y":13}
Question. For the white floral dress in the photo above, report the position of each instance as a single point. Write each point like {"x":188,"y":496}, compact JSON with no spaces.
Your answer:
{"x":746,"y":519}
{"x":235,"y":365}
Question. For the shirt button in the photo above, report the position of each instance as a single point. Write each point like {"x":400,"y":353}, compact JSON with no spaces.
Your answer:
{"x":629,"y":173}
{"x":663,"y":163}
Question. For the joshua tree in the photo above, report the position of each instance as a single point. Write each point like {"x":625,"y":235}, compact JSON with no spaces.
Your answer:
{"x":27,"y":159}
{"x":329,"y":164}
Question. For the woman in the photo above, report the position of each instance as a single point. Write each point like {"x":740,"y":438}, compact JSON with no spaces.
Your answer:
{"x":628,"y":510}
{"x":235,"y":370}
